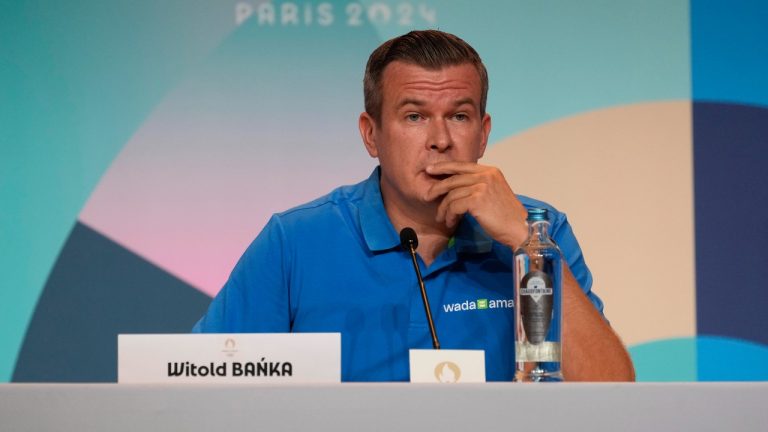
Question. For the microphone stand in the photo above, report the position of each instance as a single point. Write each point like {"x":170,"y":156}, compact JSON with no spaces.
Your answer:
{"x":410,"y":240}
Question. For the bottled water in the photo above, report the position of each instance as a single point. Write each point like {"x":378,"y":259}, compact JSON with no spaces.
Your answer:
{"x":538,"y":303}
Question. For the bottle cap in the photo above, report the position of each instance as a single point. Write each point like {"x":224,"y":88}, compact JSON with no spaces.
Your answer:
{"x":537,"y":215}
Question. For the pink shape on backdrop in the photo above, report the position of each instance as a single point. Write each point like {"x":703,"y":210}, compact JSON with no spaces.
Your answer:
{"x":191,"y":189}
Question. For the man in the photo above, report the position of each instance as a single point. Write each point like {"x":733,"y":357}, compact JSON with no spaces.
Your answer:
{"x":335,"y":264}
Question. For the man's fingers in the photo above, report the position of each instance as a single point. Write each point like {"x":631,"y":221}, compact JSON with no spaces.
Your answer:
{"x":458,"y":202}
{"x":445,"y":205}
{"x":447,"y":185}
{"x":456,"y":209}
{"x":454,"y":167}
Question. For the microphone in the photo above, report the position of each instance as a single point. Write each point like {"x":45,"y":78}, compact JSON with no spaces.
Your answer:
{"x":410,"y":242}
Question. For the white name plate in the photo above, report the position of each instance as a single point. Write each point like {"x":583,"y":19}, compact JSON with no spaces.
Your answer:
{"x":447,"y":366}
{"x":229,"y":358}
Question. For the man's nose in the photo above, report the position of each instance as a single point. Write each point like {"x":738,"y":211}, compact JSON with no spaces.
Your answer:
{"x":439,"y":136}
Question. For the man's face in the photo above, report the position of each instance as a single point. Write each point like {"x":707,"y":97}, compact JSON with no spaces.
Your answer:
{"x":427,"y":116}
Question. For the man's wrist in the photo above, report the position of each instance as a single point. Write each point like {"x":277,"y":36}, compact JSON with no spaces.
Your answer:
{"x":514,"y":239}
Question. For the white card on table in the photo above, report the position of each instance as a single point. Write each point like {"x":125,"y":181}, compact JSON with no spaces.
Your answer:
{"x":229,"y":358}
{"x":447,"y":366}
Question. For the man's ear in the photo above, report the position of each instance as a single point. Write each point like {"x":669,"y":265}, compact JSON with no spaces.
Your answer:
{"x":368,"y":132}
{"x":485,"y":131}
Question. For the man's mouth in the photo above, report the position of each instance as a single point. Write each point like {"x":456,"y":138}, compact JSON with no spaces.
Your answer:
{"x":438,"y":177}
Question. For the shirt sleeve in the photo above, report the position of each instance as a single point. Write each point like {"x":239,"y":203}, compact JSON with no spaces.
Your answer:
{"x":256,"y":297}
{"x":563,"y":235}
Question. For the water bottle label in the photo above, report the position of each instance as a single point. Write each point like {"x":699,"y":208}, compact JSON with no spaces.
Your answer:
{"x":536,"y":305}
{"x":543,"y":352}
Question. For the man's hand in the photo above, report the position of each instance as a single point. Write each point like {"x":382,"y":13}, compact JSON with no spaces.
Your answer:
{"x":482,"y":192}
{"x":592,"y":351}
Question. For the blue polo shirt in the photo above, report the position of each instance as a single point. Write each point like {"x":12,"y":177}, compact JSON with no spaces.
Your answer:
{"x":335,"y":265}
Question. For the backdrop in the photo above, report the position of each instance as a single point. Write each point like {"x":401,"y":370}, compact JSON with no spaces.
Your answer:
{"x":144,"y":144}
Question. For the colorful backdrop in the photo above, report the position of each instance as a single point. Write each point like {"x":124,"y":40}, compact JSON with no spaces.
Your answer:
{"x":144,"y":144}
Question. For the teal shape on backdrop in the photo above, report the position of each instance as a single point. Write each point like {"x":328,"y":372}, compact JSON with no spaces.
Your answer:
{"x":665,"y":360}
{"x":702,"y":358}
{"x":78,"y":78}
{"x":81,"y":80}
{"x":552,"y":59}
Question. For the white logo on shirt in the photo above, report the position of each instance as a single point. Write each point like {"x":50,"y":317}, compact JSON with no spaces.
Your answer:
{"x":479,"y":304}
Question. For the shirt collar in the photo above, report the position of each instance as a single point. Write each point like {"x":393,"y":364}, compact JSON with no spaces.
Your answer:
{"x":380,"y":235}
{"x":377,"y":229}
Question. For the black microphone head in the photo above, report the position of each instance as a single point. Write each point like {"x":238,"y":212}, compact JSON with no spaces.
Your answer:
{"x":408,"y":239}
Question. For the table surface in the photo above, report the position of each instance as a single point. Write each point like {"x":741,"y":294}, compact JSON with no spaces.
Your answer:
{"x":386,"y":406}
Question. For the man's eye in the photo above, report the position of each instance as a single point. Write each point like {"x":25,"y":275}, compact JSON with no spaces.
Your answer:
{"x":461,"y":117}
{"x":413,"y":117}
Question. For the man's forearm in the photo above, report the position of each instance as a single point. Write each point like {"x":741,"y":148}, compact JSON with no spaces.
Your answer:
{"x":591,"y":349}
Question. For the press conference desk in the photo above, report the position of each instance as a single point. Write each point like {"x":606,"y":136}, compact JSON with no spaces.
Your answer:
{"x":386,"y":407}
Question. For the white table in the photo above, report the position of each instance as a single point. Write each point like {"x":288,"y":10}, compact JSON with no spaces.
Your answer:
{"x":386,"y":407}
